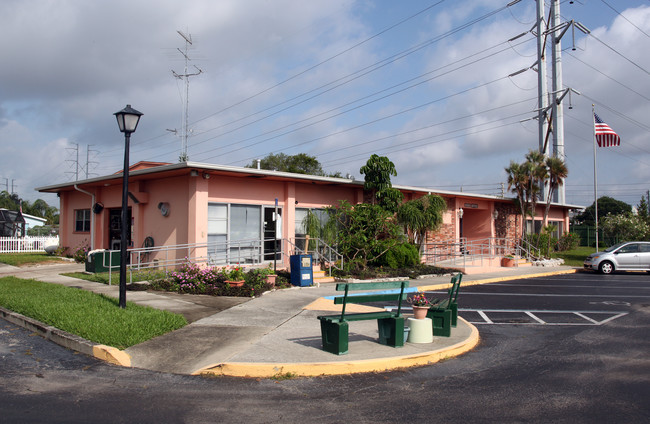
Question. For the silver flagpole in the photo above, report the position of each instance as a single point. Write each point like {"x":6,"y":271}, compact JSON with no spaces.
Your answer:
{"x":593,"y":119}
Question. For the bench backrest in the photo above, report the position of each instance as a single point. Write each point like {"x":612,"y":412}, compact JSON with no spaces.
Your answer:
{"x":453,"y":291}
{"x":371,"y":297}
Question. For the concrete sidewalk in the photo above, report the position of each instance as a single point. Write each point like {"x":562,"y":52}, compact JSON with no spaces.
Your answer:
{"x":276,"y":333}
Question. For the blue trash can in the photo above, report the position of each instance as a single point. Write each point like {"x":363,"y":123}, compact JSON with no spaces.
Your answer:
{"x":302,"y":271}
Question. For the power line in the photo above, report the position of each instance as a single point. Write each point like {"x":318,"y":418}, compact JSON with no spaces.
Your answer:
{"x":629,"y":21}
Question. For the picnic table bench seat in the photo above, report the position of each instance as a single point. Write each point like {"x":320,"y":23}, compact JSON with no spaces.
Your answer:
{"x":445,"y":313}
{"x":334,"y":328}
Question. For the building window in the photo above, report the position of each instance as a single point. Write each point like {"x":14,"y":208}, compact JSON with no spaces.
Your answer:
{"x":234,"y":233}
{"x":536,"y":228}
{"x":82,"y":220}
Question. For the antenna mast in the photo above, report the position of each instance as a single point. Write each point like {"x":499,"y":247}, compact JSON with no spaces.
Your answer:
{"x":185,"y":75}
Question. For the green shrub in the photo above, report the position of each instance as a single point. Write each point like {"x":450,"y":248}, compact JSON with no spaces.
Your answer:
{"x":568,"y":241}
{"x":541,"y":242}
{"x":403,"y":255}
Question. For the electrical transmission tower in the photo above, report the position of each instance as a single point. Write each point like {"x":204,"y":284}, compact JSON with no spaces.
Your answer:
{"x":186,"y":76}
{"x":550,"y":108}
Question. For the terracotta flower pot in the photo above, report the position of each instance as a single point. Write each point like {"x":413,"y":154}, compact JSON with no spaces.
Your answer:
{"x":237,"y":283}
{"x":508,"y":262}
{"x":270,"y":279}
{"x":420,"y":312}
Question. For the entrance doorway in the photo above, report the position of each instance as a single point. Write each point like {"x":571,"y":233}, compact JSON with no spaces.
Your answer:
{"x":272,"y":233}
{"x":115,"y":228}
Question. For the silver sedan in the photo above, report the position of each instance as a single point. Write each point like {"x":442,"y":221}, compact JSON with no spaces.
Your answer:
{"x":628,"y":256}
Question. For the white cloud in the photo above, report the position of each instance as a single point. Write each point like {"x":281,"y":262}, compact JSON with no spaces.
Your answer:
{"x":69,"y":65}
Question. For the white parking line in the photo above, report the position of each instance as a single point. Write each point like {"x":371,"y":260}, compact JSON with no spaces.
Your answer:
{"x":565,"y":286}
{"x":535,"y":315}
{"x":485,"y":317}
{"x":530,"y":314}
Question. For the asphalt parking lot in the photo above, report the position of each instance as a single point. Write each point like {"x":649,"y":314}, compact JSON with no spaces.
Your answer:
{"x":522,"y":370}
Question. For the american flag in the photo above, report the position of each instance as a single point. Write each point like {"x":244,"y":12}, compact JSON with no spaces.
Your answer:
{"x":605,"y":136}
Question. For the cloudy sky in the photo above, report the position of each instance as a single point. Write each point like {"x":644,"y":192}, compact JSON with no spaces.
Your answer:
{"x":425,"y":83}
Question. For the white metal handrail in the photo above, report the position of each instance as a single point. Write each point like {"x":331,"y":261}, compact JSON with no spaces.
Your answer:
{"x":322,"y":252}
{"x":459,"y":253}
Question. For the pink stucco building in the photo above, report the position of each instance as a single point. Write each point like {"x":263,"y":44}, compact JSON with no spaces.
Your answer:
{"x":225,"y":213}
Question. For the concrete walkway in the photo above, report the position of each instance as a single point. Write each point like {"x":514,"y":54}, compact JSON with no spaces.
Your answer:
{"x":276,"y":333}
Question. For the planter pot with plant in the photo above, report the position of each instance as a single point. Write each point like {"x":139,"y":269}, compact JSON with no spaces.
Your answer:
{"x":236,"y":277}
{"x":421,"y":305}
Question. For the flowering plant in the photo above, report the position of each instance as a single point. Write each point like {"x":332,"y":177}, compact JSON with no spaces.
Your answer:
{"x":421,"y":300}
{"x":237,"y":274}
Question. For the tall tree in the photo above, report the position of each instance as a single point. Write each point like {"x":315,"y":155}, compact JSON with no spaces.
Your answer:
{"x":298,"y":164}
{"x":538,"y":176}
{"x":378,"y":171}
{"x":606,"y":206}
{"x":556,"y":171}
{"x":517,"y":183}
{"x":524,"y":180}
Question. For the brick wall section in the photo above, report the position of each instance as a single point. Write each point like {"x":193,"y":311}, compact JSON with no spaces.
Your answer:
{"x":507,"y":224}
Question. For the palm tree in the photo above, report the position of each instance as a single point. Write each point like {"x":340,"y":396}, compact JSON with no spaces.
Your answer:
{"x":517,"y":182}
{"x":557,"y":171}
{"x":537,"y":176}
{"x":421,"y":215}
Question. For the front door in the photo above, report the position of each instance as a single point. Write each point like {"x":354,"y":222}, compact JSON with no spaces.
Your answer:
{"x":115,"y":228}
{"x":272,"y":233}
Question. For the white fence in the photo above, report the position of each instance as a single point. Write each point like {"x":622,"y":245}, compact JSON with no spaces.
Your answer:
{"x":26,"y":244}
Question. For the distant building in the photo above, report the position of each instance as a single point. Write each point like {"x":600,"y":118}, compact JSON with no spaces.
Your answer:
{"x":12,"y":223}
{"x":32,"y":221}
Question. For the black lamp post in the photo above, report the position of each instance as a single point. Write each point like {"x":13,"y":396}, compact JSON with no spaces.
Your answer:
{"x":127,"y":119}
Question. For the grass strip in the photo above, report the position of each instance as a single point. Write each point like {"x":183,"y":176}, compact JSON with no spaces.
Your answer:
{"x":19,"y":259}
{"x":575,"y":257}
{"x":94,"y":317}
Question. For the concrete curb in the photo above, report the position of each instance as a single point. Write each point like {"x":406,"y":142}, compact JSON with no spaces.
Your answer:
{"x":316,"y":369}
{"x":68,"y":340}
{"x":498,"y":279}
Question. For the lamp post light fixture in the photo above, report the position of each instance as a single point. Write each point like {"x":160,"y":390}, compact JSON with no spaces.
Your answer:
{"x":127,"y":119}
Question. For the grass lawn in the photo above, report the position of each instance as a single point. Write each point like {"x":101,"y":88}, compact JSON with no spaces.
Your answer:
{"x":29,"y":258}
{"x":94,"y":317}
{"x":575,"y":257}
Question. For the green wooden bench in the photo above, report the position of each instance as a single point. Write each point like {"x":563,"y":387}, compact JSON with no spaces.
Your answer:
{"x":334,"y":328}
{"x":445,"y":313}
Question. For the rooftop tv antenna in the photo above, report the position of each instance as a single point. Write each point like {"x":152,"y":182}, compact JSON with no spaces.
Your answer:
{"x":186,"y":76}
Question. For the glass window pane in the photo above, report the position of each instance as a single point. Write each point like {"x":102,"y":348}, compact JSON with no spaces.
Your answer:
{"x":245,"y":222}
{"x":217,"y":211}
{"x":301,"y":214}
{"x":217,"y":227}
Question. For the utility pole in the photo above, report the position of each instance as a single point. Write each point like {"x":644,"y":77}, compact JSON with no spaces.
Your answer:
{"x":185,"y":75}
{"x":76,"y":161}
{"x":542,"y":88}
{"x":558,"y":109}
{"x":88,"y":161}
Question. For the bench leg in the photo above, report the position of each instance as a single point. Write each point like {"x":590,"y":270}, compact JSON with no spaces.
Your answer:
{"x":454,"y":314}
{"x":334,"y":336}
{"x":391,"y":331}
{"x":441,"y":322}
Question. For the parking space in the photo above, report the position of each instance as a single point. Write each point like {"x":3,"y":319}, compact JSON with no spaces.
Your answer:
{"x":582,"y":299}
{"x":535,"y":317}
